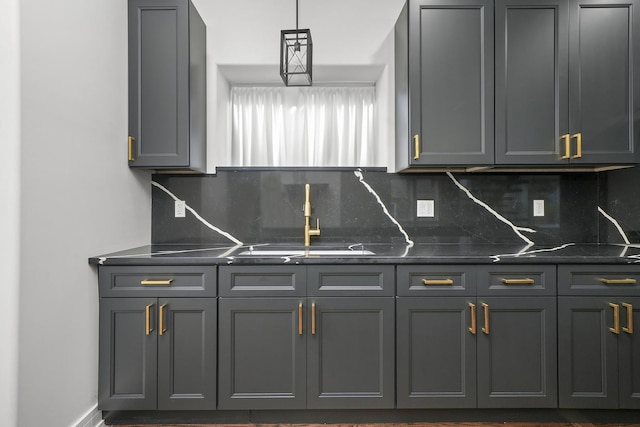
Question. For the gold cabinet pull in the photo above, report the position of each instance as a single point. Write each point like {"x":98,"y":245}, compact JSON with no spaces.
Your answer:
{"x":416,"y":147}
{"x":313,"y":318}
{"x":485,"y":329}
{"x":578,"y":137}
{"x":131,"y":141}
{"x":161,"y":320}
{"x":567,"y":146}
{"x":300,"y":319}
{"x":629,"y":328}
{"x":147,"y":315}
{"x":626,"y":281}
{"x":616,"y":318}
{"x":526,"y":281}
{"x":432,"y":282}
{"x":156,"y":282}
{"x":472,"y":328}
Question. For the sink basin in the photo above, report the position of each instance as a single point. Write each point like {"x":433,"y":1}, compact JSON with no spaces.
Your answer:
{"x":279,"y":252}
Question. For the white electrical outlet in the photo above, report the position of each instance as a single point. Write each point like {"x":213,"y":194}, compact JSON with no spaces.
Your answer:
{"x":538,"y":208}
{"x":426,"y":209}
{"x":180,"y":209}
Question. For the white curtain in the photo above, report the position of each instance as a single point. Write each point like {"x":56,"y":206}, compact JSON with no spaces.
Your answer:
{"x":305,"y":126}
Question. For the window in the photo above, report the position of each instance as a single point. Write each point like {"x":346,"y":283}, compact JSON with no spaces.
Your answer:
{"x":305,"y":126}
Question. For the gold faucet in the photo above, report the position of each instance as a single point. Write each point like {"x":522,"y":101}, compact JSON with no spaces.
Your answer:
{"x":308,"y":231}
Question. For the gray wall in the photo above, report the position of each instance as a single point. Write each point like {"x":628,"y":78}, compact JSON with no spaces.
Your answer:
{"x":77,"y":197}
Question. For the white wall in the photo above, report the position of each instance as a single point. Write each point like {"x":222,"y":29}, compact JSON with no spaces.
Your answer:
{"x":10,"y":212}
{"x":78,"y":197}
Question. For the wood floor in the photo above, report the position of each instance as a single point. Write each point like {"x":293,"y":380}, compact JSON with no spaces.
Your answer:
{"x":466,"y":424}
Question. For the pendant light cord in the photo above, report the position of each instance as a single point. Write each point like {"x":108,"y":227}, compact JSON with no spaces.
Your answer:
{"x":296,"y":14}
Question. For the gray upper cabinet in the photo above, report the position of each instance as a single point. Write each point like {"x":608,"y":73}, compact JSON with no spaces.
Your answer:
{"x":167,"y":86}
{"x":444,"y":83}
{"x":564,"y":82}
{"x":532,"y":82}
{"x":604,"y":61}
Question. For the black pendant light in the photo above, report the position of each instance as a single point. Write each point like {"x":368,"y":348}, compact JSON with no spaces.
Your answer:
{"x":296,"y":52}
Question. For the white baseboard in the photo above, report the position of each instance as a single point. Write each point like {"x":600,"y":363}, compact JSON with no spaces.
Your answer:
{"x":93,"y":418}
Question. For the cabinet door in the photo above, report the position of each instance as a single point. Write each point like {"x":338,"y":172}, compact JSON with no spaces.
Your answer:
{"x":159,"y":83}
{"x":436,"y":353}
{"x":262,"y":357}
{"x":187,"y":353}
{"x":517,"y":352}
{"x":587,"y":353}
{"x":604,"y":57}
{"x":629,"y":353}
{"x":451,"y":82}
{"x":128,"y":354}
{"x":531,"y":81}
{"x":350,"y":346}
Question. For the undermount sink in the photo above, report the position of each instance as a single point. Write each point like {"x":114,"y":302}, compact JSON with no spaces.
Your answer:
{"x":279,"y":252}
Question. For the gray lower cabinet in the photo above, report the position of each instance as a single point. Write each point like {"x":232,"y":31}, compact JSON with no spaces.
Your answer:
{"x":517,"y":365}
{"x":263,"y":354}
{"x":599,"y":350}
{"x":157,"y":351}
{"x":306,"y":351}
{"x":167,"y":86}
{"x":436,"y":353}
{"x":496,"y":349}
{"x":350,"y":353}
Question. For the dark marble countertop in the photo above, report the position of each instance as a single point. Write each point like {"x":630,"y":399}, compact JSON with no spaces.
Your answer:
{"x":372,"y":254}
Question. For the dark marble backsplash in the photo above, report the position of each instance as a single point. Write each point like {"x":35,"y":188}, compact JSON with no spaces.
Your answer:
{"x":373,"y":206}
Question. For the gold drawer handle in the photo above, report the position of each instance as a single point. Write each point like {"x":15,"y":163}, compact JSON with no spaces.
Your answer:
{"x":147,"y":319}
{"x":300,"y":319}
{"x":567,"y":146}
{"x":485,"y":329}
{"x":437,"y":281}
{"x":616,"y":318}
{"x":156,"y":282}
{"x":472,"y":328}
{"x":416,"y":146}
{"x":161,"y":321}
{"x":578,"y":137}
{"x":313,"y":318}
{"x":518,"y":281}
{"x":626,"y":281}
{"x":629,"y":328}
{"x":130,"y":151}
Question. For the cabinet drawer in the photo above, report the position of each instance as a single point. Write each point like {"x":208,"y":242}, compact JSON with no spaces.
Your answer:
{"x":512,"y":280}
{"x":351,"y":280}
{"x":174,"y":281}
{"x":598,"y":280}
{"x":262,"y":281}
{"x":436,"y":280}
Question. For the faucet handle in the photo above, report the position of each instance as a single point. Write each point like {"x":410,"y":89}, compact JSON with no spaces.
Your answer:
{"x":316,"y":231}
